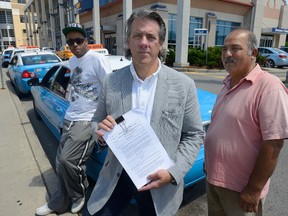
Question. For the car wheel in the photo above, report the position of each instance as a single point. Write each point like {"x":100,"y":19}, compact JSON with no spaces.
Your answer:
{"x":36,"y":111}
{"x":270,"y":63}
{"x":19,"y":94}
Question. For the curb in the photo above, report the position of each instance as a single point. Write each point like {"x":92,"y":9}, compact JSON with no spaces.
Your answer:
{"x":38,"y":153}
{"x":46,"y":171}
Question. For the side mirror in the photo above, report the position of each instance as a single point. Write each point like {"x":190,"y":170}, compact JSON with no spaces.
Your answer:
{"x":33,"y":82}
{"x":5,"y":64}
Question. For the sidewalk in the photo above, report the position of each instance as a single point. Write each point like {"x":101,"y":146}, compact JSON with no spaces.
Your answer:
{"x":26,"y":176}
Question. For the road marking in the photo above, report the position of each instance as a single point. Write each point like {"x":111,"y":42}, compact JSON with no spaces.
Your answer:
{"x":205,"y":74}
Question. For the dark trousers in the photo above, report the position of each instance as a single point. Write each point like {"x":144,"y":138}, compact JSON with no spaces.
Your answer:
{"x":121,"y":197}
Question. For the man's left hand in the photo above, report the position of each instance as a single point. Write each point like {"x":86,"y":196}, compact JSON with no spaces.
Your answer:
{"x":249,"y":200}
{"x":157,"y":180}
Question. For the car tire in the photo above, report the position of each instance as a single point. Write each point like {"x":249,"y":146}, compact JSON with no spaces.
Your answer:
{"x":270,"y":63}
{"x":19,"y":94}
{"x":38,"y":117}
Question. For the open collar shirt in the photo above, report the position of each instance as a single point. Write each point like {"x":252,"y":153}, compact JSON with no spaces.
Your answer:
{"x":254,"y":110}
{"x":143,"y":91}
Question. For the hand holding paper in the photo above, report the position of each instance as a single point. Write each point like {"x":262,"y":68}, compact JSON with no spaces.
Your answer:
{"x":137,"y":147}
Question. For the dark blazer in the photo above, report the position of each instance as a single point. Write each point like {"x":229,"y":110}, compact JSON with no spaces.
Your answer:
{"x":176,"y":121}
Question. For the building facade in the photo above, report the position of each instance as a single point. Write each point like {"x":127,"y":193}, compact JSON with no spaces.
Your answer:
{"x":12,"y":23}
{"x":197,"y":23}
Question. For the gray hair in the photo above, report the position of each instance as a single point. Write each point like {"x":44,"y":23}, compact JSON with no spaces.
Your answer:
{"x":252,"y":41}
{"x":145,"y":13}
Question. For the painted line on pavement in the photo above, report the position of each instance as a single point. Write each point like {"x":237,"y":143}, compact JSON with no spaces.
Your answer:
{"x":207,"y":75}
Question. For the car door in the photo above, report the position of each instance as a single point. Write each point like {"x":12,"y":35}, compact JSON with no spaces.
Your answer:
{"x":12,"y":69}
{"x":41,"y":95}
{"x":56,"y":102}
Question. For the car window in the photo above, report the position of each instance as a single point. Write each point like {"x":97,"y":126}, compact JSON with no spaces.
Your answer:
{"x":39,"y":59}
{"x":49,"y":76}
{"x":14,"y":61}
{"x":7,"y":52}
{"x":266,"y":51}
{"x":61,"y":81}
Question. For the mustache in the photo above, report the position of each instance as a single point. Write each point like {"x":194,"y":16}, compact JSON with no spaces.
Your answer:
{"x":229,"y":60}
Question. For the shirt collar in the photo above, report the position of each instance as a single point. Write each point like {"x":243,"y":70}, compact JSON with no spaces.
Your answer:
{"x":135,"y":76}
{"x":252,"y":76}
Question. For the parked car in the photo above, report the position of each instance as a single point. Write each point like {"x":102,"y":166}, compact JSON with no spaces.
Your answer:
{"x":50,"y":105}
{"x":64,"y":53}
{"x":51,"y":49}
{"x":26,"y":65}
{"x":274,"y":57}
{"x":117,"y":61}
{"x":6,"y":54}
{"x":24,"y":49}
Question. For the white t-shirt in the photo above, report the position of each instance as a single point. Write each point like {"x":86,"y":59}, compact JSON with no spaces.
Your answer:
{"x":87,"y":76}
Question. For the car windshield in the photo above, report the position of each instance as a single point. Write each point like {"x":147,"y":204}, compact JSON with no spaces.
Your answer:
{"x":48,"y":48}
{"x":39,"y":59}
{"x":18,"y":51}
{"x":8,"y":52}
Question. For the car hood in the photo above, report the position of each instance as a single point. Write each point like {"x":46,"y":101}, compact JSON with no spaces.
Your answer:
{"x":206,"y":103}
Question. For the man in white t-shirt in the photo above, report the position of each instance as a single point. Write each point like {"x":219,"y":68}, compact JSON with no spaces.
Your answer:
{"x":88,"y":70}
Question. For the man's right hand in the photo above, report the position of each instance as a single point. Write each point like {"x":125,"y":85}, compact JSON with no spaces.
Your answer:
{"x":107,"y":125}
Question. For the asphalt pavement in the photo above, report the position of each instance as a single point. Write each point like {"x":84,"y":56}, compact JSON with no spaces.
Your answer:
{"x":27,"y":179}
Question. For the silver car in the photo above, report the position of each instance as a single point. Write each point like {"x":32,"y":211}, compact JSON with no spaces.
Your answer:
{"x":274,"y":57}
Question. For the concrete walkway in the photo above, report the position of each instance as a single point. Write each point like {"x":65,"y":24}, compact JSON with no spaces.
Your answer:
{"x":26,"y":176}
{"x":21,"y":188}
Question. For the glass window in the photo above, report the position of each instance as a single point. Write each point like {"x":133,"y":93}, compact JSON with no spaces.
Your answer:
{"x":11,"y":32}
{"x":22,"y":18}
{"x":6,"y":17}
{"x":2,"y":17}
{"x":21,"y":1}
{"x":4,"y":32}
{"x":194,"y":22}
{"x":266,"y":41}
{"x":172,"y":26}
{"x":39,"y":59}
{"x":223,"y":28}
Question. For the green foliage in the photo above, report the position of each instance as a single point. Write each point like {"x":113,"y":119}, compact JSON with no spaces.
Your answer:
{"x":286,"y":44}
{"x":261,"y":60}
{"x":197,"y":57}
{"x":170,"y":57}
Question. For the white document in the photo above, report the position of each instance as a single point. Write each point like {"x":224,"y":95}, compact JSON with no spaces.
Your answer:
{"x":137,"y":147}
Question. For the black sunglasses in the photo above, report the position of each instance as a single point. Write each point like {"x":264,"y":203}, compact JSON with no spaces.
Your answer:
{"x":71,"y":42}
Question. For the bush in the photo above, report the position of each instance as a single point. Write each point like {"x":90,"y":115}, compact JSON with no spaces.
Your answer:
{"x":261,"y":60}
{"x":197,"y":57}
{"x":170,"y":57}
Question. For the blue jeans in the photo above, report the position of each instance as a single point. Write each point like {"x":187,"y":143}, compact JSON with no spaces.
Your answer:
{"x":121,"y":197}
